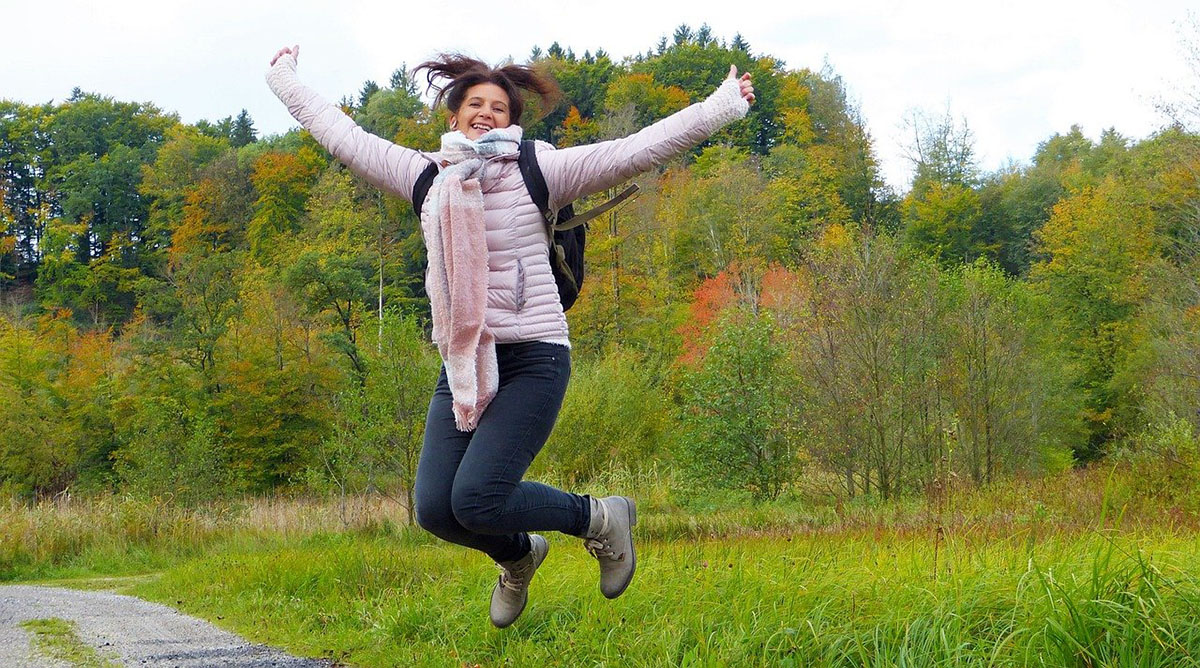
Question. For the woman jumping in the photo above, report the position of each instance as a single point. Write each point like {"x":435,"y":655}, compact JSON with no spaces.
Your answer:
{"x":497,"y":318}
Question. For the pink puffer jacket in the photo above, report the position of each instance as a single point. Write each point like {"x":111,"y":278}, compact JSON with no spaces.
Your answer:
{"x":522,"y":302}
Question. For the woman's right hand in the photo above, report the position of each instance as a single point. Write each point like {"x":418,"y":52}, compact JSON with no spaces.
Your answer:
{"x":294,"y":50}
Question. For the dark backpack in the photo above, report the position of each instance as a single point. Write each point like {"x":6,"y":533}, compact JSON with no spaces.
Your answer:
{"x":569,"y":232}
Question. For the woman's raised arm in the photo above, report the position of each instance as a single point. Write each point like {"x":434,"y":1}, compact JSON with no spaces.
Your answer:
{"x":385,"y":165}
{"x":578,"y":171}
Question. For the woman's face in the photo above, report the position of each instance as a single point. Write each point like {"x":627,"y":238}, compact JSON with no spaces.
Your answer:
{"x":484,"y":107}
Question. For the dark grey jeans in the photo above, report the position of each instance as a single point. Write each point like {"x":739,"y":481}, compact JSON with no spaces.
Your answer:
{"x":469,"y":488}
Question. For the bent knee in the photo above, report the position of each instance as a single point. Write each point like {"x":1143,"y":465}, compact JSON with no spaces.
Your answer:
{"x":475,"y":515}
{"x":436,"y":518}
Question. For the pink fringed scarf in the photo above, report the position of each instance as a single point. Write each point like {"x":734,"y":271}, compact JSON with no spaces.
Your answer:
{"x":457,"y":278}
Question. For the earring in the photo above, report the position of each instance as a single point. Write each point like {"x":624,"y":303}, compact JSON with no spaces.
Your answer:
{"x":453,"y":123}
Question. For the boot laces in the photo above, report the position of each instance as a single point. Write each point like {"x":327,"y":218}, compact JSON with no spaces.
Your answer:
{"x":511,"y":583}
{"x":602,"y":549}
{"x":516,"y":578}
{"x":600,"y":546}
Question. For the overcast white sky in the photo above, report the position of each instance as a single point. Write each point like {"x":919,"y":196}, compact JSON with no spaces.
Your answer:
{"x":1018,"y":71}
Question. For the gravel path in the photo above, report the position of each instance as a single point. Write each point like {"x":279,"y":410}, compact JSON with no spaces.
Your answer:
{"x":133,"y":631}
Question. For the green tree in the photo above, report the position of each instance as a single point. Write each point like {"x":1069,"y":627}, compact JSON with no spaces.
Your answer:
{"x":1099,"y":245}
{"x":583,"y":83}
{"x":649,"y":100}
{"x":206,"y":289}
{"x":270,"y":398}
{"x":38,"y":453}
{"x":716,"y":215}
{"x":815,"y":109}
{"x":102,"y":289}
{"x":376,"y":439}
{"x":90,"y":124}
{"x":102,"y":192}
{"x":180,"y":164}
{"x":942,"y":211}
{"x":943,"y":221}
{"x":57,"y":388}
{"x":282,"y":181}
{"x":803,"y":188}
{"x":336,"y":286}
{"x":741,"y":416}
{"x":1005,"y":395}
{"x":243,"y":131}
{"x":697,"y":69}
{"x":368,"y":90}
{"x":25,"y":156}
{"x":385,"y":109}
{"x":173,"y":452}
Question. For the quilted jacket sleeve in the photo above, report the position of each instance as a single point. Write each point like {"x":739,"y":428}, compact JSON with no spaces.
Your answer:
{"x":385,"y":165}
{"x":578,"y":171}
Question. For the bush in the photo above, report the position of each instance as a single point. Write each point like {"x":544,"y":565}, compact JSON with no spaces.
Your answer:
{"x":171,"y":452}
{"x":1165,"y":458}
{"x":741,"y":415}
{"x":374,"y":440}
{"x":614,"y":415}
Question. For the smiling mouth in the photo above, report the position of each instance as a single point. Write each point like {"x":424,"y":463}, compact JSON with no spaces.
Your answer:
{"x":482,"y":128}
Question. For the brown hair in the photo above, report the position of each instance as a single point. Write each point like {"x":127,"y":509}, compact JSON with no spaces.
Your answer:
{"x":464,"y":72}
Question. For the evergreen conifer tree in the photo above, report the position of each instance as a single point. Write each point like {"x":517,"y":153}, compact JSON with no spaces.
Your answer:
{"x":243,"y":131}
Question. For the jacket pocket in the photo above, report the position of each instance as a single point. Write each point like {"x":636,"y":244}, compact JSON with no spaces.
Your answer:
{"x":520,"y":289}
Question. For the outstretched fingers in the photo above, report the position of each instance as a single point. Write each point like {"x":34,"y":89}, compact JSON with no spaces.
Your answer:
{"x":747,"y":88}
{"x":294,"y":50}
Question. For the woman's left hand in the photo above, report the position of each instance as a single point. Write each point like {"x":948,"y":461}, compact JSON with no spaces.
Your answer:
{"x":744,"y":83}
{"x":294,"y":50}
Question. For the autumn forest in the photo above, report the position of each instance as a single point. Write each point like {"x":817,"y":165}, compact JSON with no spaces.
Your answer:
{"x":195,"y":311}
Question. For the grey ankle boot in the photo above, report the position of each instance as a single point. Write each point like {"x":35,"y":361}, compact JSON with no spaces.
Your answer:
{"x":610,"y":540}
{"x":512,"y":590}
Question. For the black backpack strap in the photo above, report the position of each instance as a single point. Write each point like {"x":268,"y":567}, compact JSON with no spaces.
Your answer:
{"x":421,"y":187}
{"x":535,"y":181}
{"x":586,"y":216}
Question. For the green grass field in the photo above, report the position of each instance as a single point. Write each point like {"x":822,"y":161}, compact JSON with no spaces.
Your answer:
{"x":1068,"y":572}
{"x":863,"y":598}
